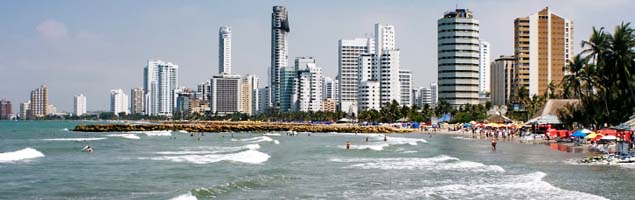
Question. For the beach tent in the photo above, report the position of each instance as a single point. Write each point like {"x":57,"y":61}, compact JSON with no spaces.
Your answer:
{"x":591,"y":135}
{"x":609,"y":137}
{"x":467,"y":125}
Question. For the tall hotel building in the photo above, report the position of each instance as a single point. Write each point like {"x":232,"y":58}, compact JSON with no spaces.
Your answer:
{"x":349,"y":52}
{"x":279,"y":50}
{"x":458,"y":50}
{"x":309,"y":85}
{"x":386,"y":65}
{"x":79,"y":105}
{"x":543,"y":42}
{"x":249,"y":94}
{"x":39,"y":102}
{"x":405,"y":77}
{"x":159,"y":83}
{"x":225,"y":94}
{"x":225,"y":50}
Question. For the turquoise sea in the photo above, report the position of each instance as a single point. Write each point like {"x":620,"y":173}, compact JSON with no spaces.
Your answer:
{"x":43,"y":160}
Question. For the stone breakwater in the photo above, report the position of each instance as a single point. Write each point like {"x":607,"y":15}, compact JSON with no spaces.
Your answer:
{"x":238,"y":127}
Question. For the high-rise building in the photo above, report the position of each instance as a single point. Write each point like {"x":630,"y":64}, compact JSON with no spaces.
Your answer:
{"x":225,"y":50}
{"x":249,"y":94}
{"x":5,"y":109}
{"x":329,"y":105}
{"x":543,"y":43}
{"x":279,"y":50}
{"x":309,"y":85}
{"x":160,"y":81}
{"x":425,"y":97}
{"x":368,"y":96}
{"x":25,"y":110}
{"x":203,"y":90}
{"x":458,"y":57}
{"x":79,"y":105}
{"x":39,"y":102}
{"x":225,"y":94}
{"x":136,"y":101}
{"x":118,"y":102}
{"x":288,"y":90}
{"x":264,"y":99}
{"x":502,"y":79}
{"x":483,"y":68}
{"x":405,"y":77}
{"x":434,"y":94}
{"x":348,"y":58}
{"x":387,"y":64}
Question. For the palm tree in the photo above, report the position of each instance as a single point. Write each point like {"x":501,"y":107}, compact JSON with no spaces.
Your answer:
{"x":572,"y":82}
{"x":621,"y":47}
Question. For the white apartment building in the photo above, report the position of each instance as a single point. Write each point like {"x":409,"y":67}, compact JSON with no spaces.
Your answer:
{"x":225,"y":50}
{"x":348,"y":57}
{"x":79,"y":105}
{"x":369,"y":95}
{"x":484,"y":72}
{"x":160,"y":81}
{"x":309,"y":85}
{"x":405,"y":79}
{"x":434,"y":94}
{"x":118,"y":102}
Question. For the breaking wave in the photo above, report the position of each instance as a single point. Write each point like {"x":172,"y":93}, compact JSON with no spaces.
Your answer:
{"x":127,"y":136}
{"x":24,"y":154}
{"x":74,"y":139}
{"x":437,"y":164}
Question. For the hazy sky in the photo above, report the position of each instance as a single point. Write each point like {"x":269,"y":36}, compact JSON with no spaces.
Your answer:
{"x":91,"y":47}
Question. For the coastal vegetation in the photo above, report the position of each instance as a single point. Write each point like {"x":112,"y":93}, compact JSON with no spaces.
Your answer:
{"x":602,"y":77}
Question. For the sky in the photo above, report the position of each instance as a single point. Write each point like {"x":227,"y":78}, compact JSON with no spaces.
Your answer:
{"x":92,"y":47}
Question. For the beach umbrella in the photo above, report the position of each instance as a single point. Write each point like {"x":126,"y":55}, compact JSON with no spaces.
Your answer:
{"x":591,"y":135}
{"x":578,"y":134}
{"x":609,"y":137}
{"x":472,"y":122}
{"x":586,"y":131}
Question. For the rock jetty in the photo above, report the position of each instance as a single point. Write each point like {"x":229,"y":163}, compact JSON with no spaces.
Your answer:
{"x":237,"y":127}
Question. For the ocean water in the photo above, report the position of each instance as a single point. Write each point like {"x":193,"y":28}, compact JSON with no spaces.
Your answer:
{"x":43,"y":160}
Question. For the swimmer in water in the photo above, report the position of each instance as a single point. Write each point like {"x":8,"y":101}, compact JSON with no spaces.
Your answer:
{"x":493,"y":144}
{"x":385,"y":138}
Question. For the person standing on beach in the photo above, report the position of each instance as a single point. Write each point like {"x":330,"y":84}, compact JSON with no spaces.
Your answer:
{"x":493,"y":144}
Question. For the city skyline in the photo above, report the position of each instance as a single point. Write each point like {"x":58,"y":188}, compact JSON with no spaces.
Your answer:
{"x":86,"y":52}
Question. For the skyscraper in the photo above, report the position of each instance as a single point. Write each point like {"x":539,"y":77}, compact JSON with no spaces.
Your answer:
{"x":136,"y":101}
{"x":279,"y":50}
{"x":225,"y":50}
{"x":5,"y":109}
{"x":405,"y":78}
{"x":368,"y":87}
{"x":502,"y":79}
{"x":483,"y":68}
{"x":458,"y":57}
{"x":118,"y":102}
{"x":264,"y":99}
{"x":543,"y":43}
{"x":160,"y":81}
{"x":225,"y":94}
{"x":39,"y":102}
{"x":79,"y":105}
{"x":348,"y":58}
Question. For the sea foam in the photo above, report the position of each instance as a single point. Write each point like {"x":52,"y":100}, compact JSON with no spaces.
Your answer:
{"x":439,"y":163}
{"x":24,"y":154}
{"x":248,"y":156}
{"x":153,"y":133}
{"x":186,"y":196}
{"x":254,"y":139}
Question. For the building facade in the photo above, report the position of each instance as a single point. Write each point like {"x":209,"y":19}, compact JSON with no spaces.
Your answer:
{"x":434,"y":94}
{"x":458,"y":58}
{"x":225,"y":94}
{"x":349,"y":52}
{"x":25,"y":109}
{"x":309,"y":85}
{"x":225,"y":50}
{"x":543,"y":43}
{"x":39,"y":103}
{"x":160,"y":82}
{"x":405,"y":79}
{"x":330,"y":88}
{"x":279,"y":50}
{"x":502,"y":79}
{"x":79,"y":105}
{"x":118,"y":102}
{"x":264,"y":99}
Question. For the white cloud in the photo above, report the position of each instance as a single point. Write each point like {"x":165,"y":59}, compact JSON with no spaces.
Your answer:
{"x":52,"y":29}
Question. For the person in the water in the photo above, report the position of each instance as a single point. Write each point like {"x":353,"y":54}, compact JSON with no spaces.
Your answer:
{"x":493,"y":144}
